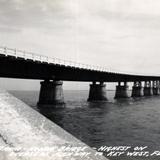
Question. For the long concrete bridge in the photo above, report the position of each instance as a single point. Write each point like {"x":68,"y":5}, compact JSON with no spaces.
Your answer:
{"x":16,"y":63}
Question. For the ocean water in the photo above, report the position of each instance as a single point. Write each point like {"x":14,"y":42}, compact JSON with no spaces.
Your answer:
{"x":125,"y":122}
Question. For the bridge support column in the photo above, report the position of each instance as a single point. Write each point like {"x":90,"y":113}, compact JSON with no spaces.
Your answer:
{"x":51,"y":93}
{"x":156,"y":88}
{"x":148,"y":89}
{"x":137,"y":89}
{"x":97,"y":92}
{"x":121,"y":91}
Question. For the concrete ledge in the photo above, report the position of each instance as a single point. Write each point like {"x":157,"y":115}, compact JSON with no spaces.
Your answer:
{"x":21,"y":126}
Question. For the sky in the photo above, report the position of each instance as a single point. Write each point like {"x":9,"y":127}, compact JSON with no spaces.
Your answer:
{"x":122,"y":35}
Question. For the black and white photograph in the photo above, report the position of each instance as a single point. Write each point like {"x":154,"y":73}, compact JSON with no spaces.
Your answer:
{"x":79,"y":80}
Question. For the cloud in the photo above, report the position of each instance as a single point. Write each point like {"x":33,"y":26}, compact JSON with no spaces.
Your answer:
{"x":114,"y":33}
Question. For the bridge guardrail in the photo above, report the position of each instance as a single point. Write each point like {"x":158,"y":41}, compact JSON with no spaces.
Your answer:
{"x":41,"y":58}
{"x":50,"y":60}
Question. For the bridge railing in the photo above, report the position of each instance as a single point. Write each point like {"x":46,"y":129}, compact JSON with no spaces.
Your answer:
{"x":5,"y":51}
{"x":41,"y":58}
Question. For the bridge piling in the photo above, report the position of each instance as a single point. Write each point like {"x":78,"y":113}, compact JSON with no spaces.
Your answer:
{"x":97,"y":92}
{"x":137,"y":89}
{"x":51,"y":93}
{"x":148,"y":88}
{"x":121,"y":90}
{"x":156,"y":90}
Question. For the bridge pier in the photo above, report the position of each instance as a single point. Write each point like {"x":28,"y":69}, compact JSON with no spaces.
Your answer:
{"x":121,"y":91}
{"x":97,"y":92}
{"x":148,"y":89}
{"x":156,"y":89}
{"x":51,"y":93}
{"x":137,"y":89}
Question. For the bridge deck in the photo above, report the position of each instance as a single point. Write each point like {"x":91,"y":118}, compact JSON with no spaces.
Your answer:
{"x":26,"y":65}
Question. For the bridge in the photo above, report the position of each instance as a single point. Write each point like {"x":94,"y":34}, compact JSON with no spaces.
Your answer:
{"x":16,"y":63}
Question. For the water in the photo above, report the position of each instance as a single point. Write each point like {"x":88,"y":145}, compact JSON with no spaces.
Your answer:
{"x":127,"y":122}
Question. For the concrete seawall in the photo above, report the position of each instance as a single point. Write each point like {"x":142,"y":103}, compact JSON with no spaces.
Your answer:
{"x":28,"y":135}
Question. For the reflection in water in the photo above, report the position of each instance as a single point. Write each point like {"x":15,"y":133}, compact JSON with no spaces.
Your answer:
{"x":129,"y":122}
{"x":49,"y":112}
